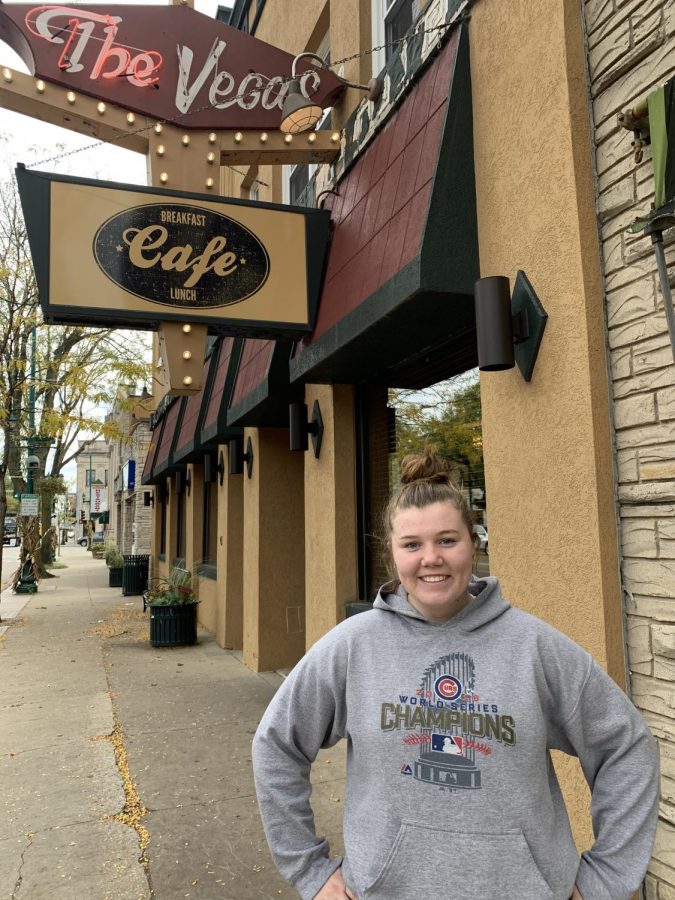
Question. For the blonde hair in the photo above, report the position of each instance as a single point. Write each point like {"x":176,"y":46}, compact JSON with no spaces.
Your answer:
{"x":425,"y":479}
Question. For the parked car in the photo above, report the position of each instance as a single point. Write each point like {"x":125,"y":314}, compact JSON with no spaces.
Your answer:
{"x":96,"y":538}
{"x":482,"y":537}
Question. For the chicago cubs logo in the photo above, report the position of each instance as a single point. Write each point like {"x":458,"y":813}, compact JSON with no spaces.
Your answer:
{"x":447,"y":687}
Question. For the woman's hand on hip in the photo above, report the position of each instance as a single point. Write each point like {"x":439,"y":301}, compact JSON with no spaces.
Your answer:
{"x":335,"y":889}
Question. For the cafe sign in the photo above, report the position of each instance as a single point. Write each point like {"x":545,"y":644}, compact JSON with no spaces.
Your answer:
{"x":169,"y":63}
{"x":114,"y":254}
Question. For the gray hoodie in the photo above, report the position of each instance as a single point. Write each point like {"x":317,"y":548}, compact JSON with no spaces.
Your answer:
{"x":450,"y":789}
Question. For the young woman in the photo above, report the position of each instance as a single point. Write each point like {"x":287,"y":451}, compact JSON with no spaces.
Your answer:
{"x":450,"y":701}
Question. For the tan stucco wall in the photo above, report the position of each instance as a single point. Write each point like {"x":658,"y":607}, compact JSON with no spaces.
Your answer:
{"x":330,"y":512}
{"x":548,"y":452}
{"x":274,"y":553}
{"x":207,"y":611}
{"x":291,"y":33}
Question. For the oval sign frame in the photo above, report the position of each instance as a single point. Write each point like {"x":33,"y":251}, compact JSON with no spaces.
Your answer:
{"x":176,"y":268}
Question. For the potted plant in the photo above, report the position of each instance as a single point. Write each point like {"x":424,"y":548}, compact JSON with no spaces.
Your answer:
{"x":173,"y":609}
{"x":115,"y":563}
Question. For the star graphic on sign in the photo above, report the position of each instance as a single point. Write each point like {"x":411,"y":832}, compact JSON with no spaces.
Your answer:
{"x":242,"y":261}
{"x":119,"y":248}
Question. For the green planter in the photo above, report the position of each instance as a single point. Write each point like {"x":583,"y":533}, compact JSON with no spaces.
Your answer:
{"x":115,"y":576}
{"x":173,"y":626}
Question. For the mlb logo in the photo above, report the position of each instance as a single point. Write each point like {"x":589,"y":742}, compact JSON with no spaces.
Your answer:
{"x":446,"y":743}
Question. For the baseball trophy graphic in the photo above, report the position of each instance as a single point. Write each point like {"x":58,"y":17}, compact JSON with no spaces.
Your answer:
{"x":448,"y":759}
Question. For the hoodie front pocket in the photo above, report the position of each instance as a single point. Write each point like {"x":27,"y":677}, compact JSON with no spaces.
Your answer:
{"x":459,"y":863}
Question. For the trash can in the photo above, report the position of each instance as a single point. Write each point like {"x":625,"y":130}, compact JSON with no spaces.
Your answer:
{"x":134,"y":574}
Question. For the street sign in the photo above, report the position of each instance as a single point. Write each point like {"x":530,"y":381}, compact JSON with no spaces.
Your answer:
{"x":30,"y":504}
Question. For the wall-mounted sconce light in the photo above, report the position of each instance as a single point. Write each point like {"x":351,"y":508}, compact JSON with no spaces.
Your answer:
{"x":238,"y":457}
{"x":509,"y":327}
{"x":188,"y":481}
{"x":211,"y":469}
{"x":148,"y":498}
{"x":300,"y":428}
{"x":301,"y":113}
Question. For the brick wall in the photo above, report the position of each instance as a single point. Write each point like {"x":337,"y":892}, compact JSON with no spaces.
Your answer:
{"x":631,"y":50}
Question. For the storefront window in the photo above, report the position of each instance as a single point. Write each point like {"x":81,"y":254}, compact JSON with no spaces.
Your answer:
{"x":162,"y":526}
{"x":180,"y":525}
{"x":210,"y":523}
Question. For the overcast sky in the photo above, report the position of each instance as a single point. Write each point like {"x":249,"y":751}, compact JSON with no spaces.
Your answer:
{"x":31,"y":142}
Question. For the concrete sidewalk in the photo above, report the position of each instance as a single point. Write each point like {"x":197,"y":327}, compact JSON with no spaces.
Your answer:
{"x":125,"y":769}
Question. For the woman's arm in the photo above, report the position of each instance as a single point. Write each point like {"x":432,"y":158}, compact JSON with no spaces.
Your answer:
{"x":308,"y":712}
{"x":619,"y":759}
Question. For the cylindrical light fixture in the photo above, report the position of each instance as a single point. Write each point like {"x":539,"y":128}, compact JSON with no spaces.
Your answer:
{"x":236,"y":454}
{"x":297,"y":426}
{"x":494,"y":326}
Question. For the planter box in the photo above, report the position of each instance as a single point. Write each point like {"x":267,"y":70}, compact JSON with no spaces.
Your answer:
{"x":115,"y":576}
{"x":173,"y":626}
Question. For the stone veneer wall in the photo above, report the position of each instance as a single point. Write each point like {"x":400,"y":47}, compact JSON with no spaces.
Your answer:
{"x":631,"y":50}
{"x":142,"y":514}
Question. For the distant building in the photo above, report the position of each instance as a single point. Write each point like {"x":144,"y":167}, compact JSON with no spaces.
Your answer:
{"x":130,"y":525}
{"x":92,"y":481}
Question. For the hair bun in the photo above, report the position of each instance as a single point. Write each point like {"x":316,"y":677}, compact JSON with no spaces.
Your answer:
{"x":426,"y":466}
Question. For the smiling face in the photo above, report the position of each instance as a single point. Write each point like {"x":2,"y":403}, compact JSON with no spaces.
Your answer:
{"x":433,"y":554}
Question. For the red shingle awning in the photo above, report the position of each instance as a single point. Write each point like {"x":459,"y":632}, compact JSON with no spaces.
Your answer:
{"x":397,"y":300}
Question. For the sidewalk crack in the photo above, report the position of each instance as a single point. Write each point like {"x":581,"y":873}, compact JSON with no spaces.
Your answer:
{"x":19,"y":878}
